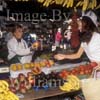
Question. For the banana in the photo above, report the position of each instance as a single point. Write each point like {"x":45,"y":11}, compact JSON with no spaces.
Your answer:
{"x":57,"y":1}
{"x":89,"y":6}
{"x":66,"y":87}
{"x":72,"y":2}
{"x":12,"y":95}
{"x":68,"y":4}
{"x":61,"y":1}
{"x":98,"y":7}
{"x":2,"y":97}
{"x":72,"y":82}
{"x":65,"y":3}
{"x":9,"y":97}
{"x":5,"y":83}
{"x":46,"y":3}
{"x":76,"y":78}
{"x":85,"y":5}
{"x":52,"y":2}
{"x":92,"y":5}
{"x":5,"y":94}
{"x":95,"y":3}
{"x":80,"y":3}
{"x":77,"y":82}
{"x":41,"y":1}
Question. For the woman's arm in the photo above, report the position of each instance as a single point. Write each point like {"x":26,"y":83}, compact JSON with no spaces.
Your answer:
{"x":70,"y":56}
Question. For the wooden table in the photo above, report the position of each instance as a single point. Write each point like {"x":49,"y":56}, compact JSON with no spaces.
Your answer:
{"x":35,"y":95}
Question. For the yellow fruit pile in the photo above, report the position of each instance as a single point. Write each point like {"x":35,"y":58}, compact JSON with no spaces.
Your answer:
{"x":16,"y":67}
{"x":44,"y":63}
{"x":5,"y":93}
{"x":84,"y":4}
{"x":72,"y":84}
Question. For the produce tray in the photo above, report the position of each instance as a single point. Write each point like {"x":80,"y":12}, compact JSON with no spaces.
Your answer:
{"x":83,"y":76}
{"x":14,"y":74}
{"x":58,"y":67}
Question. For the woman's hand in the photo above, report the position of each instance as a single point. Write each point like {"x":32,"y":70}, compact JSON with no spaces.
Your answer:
{"x":60,"y":56}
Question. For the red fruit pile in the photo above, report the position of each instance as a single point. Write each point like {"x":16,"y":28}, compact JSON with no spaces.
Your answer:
{"x":80,"y":70}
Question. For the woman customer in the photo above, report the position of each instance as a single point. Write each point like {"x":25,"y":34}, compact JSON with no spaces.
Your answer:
{"x":90,"y":40}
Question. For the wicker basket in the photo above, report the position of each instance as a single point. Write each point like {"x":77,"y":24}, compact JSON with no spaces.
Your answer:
{"x":91,"y":87}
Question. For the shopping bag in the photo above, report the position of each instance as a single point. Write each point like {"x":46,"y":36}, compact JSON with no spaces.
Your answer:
{"x":91,"y":86}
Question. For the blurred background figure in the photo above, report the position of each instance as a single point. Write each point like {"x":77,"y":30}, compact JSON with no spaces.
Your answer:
{"x":67,"y":39}
{"x":58,"y":37}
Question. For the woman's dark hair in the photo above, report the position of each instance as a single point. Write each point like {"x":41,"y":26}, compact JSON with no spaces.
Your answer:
{"x":89,"y":24}
{"x":16,"y":26}
{"x":89,"y":28}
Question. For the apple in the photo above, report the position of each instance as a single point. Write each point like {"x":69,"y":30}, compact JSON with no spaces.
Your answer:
{"x":13,"y":89}
{"x":21,"y":77}
{"x":47,"y":63}
{"x":31,"y":80}
{"x":90,"y":71}
{"x":81,"y":67}
{"x":23,"y":90}
{"x":28,"y":86}
{"x":93,"y":64}
{"x":81,"y":72}
{"x":86,"y":71}
{"x":64,"y":74}
{"x":29,"y":74}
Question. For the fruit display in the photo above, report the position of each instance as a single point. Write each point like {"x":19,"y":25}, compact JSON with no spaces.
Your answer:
{"x":72,"y":84}
{"x":80,"y":70}
{"x":16,"y":67}
{"x":36,"y":70}
{"x":28,"y":65}
{"x":43,"y":63}
{"x":51,"y":80}
{"x":21,"y":83}
{"x":5,"y":93}
{"x":64,"y":73}
{"x":84,"y":4}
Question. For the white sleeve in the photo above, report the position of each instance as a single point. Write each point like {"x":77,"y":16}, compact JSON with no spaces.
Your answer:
{"x":83,"y":44}
{"x":19,"y":51}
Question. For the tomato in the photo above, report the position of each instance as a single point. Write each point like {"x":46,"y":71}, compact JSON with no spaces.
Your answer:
{"x":65,"y":73}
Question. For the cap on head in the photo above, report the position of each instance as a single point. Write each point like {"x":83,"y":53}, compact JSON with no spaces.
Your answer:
{"x":92,"y":16}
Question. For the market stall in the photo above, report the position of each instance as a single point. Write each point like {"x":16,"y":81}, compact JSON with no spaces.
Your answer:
{"x":48,"y":55}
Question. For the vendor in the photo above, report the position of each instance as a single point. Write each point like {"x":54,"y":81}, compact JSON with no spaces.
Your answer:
{"x":90,"y":40}
{"x":18,"y":50}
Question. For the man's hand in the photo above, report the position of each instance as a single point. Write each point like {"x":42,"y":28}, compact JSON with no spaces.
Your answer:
{"x":35,"y":46}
